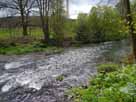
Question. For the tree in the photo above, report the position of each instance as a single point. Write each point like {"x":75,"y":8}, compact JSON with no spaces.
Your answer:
{"x":44,"y":11}
{"x":129,"y":20}
{"x":67,"y":8}
{"x":21,"y":7}
{"x":82,"y":29}
{"x":58,"y":25}
{"x":51,"y":14}
{"x":102,"y":24}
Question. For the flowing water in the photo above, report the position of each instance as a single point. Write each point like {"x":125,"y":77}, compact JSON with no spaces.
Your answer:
{"x":41,"y":78}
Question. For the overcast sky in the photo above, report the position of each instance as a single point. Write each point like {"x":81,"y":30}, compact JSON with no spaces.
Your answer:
{"x":78,"y":6}
{"x":84,"y":6}
{"x":81,"y":6}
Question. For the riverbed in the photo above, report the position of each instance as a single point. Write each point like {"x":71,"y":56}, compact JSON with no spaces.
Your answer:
{"x":40,"y":78}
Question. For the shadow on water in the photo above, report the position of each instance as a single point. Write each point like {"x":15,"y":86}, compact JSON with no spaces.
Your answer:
{"x":34,"y":78}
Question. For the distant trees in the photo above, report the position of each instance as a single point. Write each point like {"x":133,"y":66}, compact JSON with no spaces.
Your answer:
{"x":44,"y":11}
{"x":82,"y":29}
{"x":51,"y":10}
{"x":21,"y":7}
{"x":58,"y":18}
{"x":48,"y":10}
{"x":102,"y":24}
{"x":133,"y":6}
{"x":67,"y":8}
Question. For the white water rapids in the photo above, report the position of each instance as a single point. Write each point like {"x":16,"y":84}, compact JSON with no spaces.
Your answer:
{"x":33,"y":78}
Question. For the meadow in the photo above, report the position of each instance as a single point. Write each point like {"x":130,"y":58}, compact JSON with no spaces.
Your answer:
{"x":12,"y":33}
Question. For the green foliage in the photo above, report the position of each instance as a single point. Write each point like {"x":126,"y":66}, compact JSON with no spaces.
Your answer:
{"x":60,"y":78}
{"x":134,"y":13}
{"x":70,"y":27}
{"x":102,"y":24}
{"x":8,"y":33}
{"x":110,"y":67}
{"x":58,"y":20}
{"x":28,"y":48}
{"x":82,"y":29}
{"x":39,"y":45}
{"x":119,"y":86}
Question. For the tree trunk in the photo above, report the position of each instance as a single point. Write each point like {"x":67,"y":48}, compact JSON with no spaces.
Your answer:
{"x":46,"y":35}
{"x":23,"y":22}
{"x":44,"y":8}
{"x":45,"y":29}
{"x":131,"y":27}
{"x":24,"y":29}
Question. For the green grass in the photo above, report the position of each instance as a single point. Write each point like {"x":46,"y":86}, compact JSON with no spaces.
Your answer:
{"x":17,"y":32}
{"x":34,"y":32}
{"x":118,"y":86}
{"x":109,"y":67}
{"x":18,"y":49}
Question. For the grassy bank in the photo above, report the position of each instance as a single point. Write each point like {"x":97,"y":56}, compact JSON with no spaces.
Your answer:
{"x":17,"y":49}
{"x":6,"y":33}
{"x":114,"y":86}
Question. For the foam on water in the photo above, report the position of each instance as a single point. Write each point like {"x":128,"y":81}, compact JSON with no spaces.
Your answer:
{"x":18,"y":63}
{"x":36,"y":85}
{"x":13,"y":65}
{"x":54,"y":66}
{"x":6,"y":88}
{"x":9,"y":85}
{"x":75,"y":65}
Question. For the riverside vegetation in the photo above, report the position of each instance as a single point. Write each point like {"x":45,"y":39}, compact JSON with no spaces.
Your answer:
{"x":28,"y":48}
{"x":51,"y":31}
{"x":103,"y":23}
{"x":118,"y":85}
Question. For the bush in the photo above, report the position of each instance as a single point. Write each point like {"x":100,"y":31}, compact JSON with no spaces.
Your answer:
{"x":60,"y":78}
{"x":129,"y":59}
{"x":29,"y":48}
{"x":104,"y":68}
{"x":82,"y":29}
{"x":39,"y":45}
{"x":119,"y":86}
{"x":102,"y":24}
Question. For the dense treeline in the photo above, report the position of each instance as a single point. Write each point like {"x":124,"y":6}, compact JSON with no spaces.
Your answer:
{"x":102,"y":24}
{"x":47,"y":20}
{"x":46,"y":10}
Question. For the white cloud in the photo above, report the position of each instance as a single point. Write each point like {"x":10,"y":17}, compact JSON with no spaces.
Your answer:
{"x":76,"y":7}
{"x":80,"y":6}
{"x":3,"y":13}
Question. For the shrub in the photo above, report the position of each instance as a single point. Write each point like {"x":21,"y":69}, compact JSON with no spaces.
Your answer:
{"x":29,"y":48}
{"x":102,"y":24}
{"x":129,"y":59}
{"x":110,"y":67}
{"x":60,"y":78}
{"x":119,"y":86}
{"x":39,"y":45}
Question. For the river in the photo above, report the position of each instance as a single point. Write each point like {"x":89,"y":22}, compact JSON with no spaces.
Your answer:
{"x":35,"y":77}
